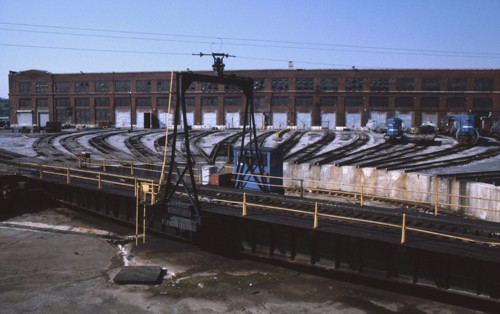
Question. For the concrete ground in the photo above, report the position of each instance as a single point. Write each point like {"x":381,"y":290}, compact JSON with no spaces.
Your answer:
{"x":56,"y":260}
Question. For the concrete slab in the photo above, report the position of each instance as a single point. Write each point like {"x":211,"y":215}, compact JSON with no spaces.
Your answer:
{"x":145,"y":275}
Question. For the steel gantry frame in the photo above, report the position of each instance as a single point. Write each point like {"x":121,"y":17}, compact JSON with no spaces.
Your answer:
{"x":251,"y":159}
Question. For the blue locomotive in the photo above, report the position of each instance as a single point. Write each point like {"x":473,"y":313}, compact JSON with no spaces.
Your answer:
{"x":394,"y":129}
{"x":464,"y":129}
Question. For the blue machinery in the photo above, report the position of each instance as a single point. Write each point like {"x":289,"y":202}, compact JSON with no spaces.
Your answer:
{"x":247,"y":171}
{"x":394,"y":129}
{"x":464,"y":129}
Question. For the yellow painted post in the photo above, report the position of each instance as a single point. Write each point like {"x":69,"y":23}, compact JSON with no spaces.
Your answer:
{"x":403,"y":230}
{"x":244,"y":204}
{"x":136,"y":215}
{"x":436,"y":203}
{"x":104,"y":165}
{"x":99,"y":182}
{"x":136,"y":187}
{"x":145,"y":191}
{"x":315,"y":226}
{"x":436,"y":196}
{"x":361,"y":200}
{"x":131,"y":168}
{"x":153,"y":193}
{"x":68,"y":177}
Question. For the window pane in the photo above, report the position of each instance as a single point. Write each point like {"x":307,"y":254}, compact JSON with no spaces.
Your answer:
{"x":143,"y":101}
{"x":456,"y":102}
{"x":209,"y":87}
{"x":279,"y":84}
{"x":102,"y":102}
{"x":431,"y":84}
{"x":430,"y":102}
{"x":42,"y":87}
{"x":122,"y":101}
{"x":42,"y":103}
{"x":62,"y":87}
{"x":25,"y":103}
{"x":209,"y":101}
{"x":329,"y":84}
{"x":25,"y":87}
{"x":483,"y":84}
{"x":404,"y":102}
{"x":303,"y":101}
{"x":102,"y":115}
{"x":163,"y":85}
{"x":405,"y":84}
{"x":457,"y":84}
{"x":353,"y":83}
{"x":279,"y":101}
{"x":122,"y":86}
{"x":232,"y":101}
{"x":379,"y":101}
{"x":102,"y":86}
{"x":258,"y":85}
{"x":229,"y":88}
{"x":82,"y":116}
{"x":81,"y":87}
{"x":143,"y":86}
{"x":62,"y":102}
{"x":63,"y":116}
{"x":328,"y":101}
{"x":304,"y":84}
{"x":82,"y":102}
{"x":353,"y":101}
{"x":483,"y":103}
{"x":379,"y":84}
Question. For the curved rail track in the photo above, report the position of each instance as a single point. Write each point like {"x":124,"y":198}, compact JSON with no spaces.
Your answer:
{"x":302,"y":155}
{"x":452,"y":225}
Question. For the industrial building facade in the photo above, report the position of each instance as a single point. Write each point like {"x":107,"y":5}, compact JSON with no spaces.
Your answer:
{"x":301,"y":99}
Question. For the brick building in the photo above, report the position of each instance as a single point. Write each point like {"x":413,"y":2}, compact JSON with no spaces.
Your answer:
{"x":283,"y":98}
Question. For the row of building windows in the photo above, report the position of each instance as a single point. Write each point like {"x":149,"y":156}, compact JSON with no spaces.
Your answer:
{"x":277,"y":85}
{"x":259,"y":102}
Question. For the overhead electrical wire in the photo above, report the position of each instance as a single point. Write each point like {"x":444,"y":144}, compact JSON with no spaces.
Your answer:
{"x":456,"y":54}
{"x":256,"y":43}
{"x":286,"y":43}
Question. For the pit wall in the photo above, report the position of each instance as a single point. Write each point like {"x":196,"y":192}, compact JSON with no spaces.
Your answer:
{"x":476,"y":199}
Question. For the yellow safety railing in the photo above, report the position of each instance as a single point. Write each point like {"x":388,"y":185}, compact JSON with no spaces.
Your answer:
{"x":358,"y":192}
{"x":403,"y":227}
{"x":306,"y":188}
{"x":144,"y":187}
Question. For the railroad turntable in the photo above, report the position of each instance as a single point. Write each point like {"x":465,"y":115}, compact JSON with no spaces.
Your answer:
{"x":363,"y":229}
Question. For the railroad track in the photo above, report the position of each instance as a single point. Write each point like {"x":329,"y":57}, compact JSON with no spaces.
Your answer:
{"x":45,"y":148}
{"x":304,"y":154}
{"x":388,"y":155}
{"x":5,"y":155}
{"x":290,"y":142}
{"x":444,"y":228}
{"x":72,"y":142}
{"x":451,"y":161}
{"x":141,"y":151}
{"x":446,"y":158}
{"x":327,"y":157}
{"x":401,"y":164}
{"x":491,"y":177}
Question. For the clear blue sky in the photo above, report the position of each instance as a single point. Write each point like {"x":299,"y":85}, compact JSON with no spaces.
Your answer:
{"x":62,"y":36}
